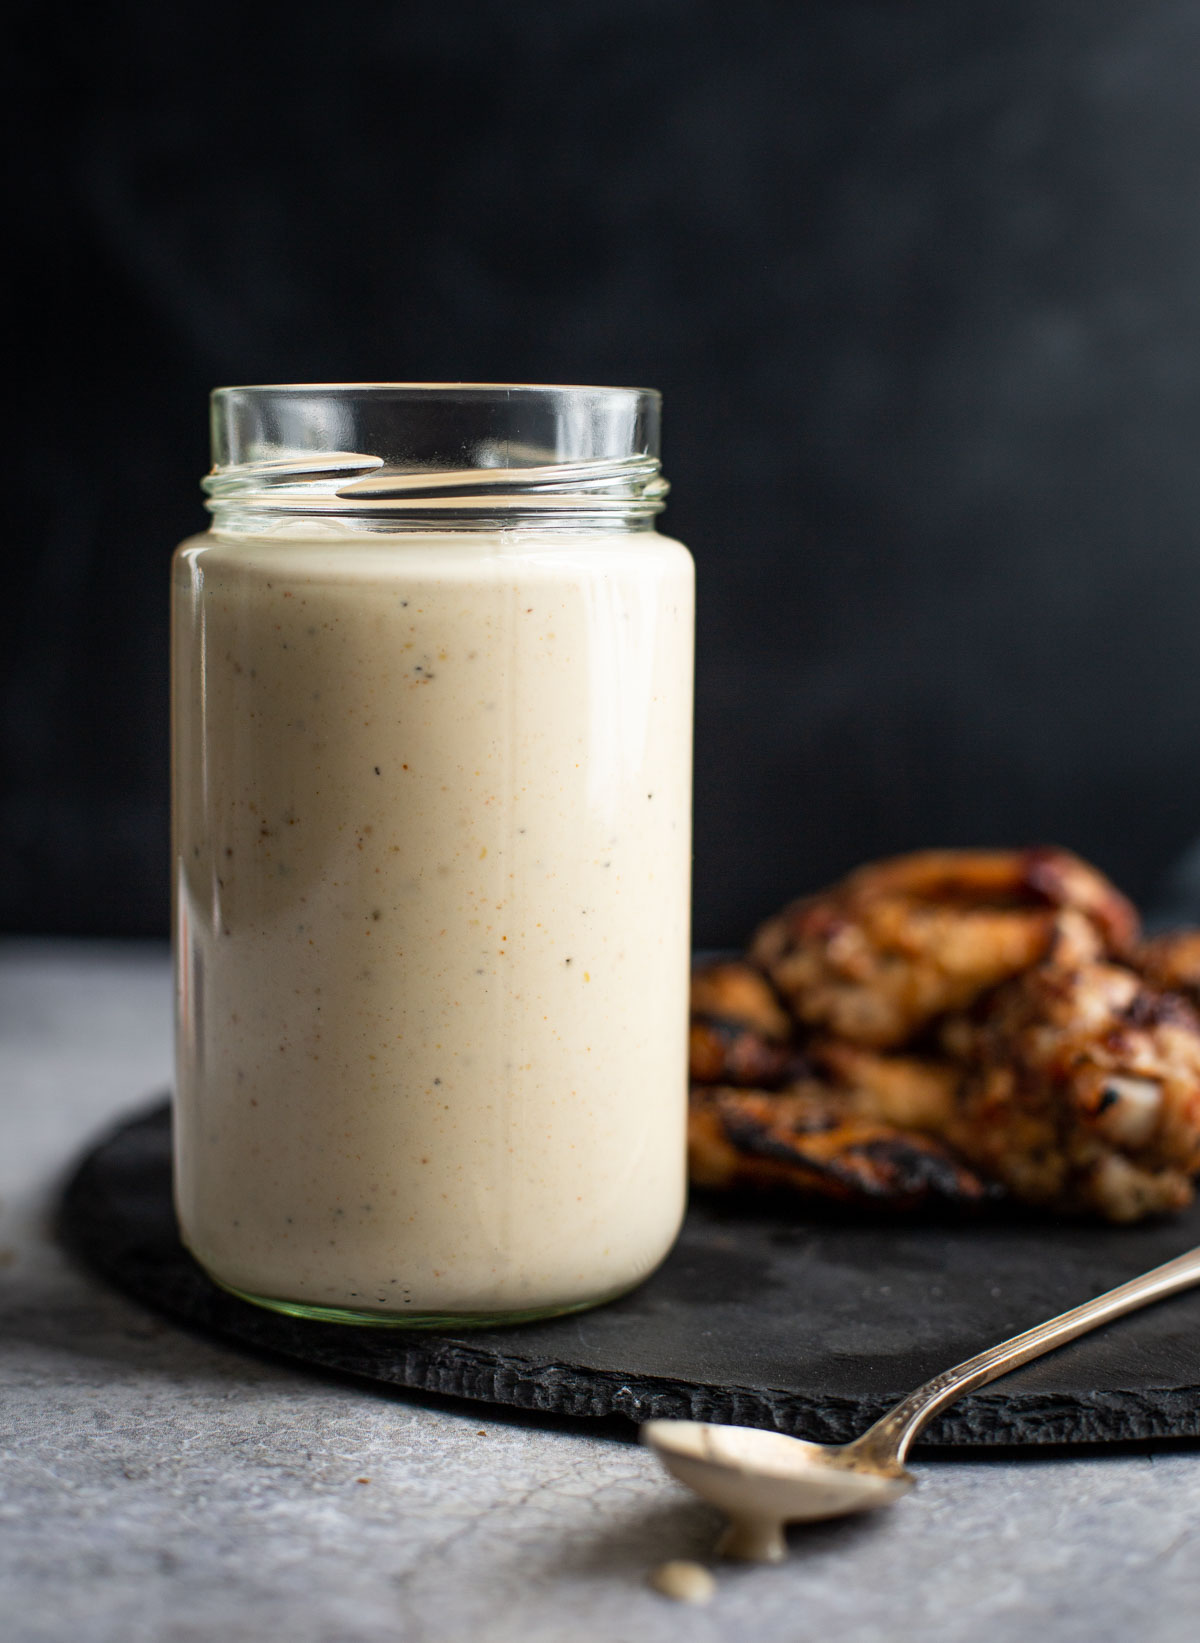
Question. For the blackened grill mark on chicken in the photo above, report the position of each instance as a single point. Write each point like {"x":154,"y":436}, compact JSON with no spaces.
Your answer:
{"x":916,"y":1167}
{"x":811,"y":1141}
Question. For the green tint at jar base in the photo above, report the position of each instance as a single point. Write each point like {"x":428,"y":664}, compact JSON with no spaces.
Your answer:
{"x":432,"y":778}
{"x":381,"y":1319}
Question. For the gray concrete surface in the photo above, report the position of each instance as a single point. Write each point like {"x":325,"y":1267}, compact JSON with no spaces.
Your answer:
{"x":156,"y":1486}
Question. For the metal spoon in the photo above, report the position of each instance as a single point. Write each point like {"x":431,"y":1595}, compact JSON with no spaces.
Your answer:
{"x":762,"y":1480}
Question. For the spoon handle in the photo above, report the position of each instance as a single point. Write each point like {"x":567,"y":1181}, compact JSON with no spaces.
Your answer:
{"x":887,"y":1442}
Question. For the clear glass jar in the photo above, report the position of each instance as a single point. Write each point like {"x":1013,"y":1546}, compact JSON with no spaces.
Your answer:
{"x":432,"y":747}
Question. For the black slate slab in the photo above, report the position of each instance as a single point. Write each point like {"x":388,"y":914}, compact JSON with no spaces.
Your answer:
{"x":762,"y":1314}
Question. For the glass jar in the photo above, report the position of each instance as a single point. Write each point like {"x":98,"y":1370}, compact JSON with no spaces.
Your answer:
{"x":432,"y":746}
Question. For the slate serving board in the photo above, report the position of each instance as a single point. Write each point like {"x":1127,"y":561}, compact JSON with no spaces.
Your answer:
{"x":764,"y":1314}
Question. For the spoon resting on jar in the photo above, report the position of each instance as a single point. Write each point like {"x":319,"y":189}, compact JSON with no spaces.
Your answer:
{"x":764,"y":1480}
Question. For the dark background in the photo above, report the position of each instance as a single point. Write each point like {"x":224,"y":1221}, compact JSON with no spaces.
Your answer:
{"x":920,"y":282}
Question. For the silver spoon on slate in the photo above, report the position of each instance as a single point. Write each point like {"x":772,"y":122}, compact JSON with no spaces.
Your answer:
{"x":762,"y":1480}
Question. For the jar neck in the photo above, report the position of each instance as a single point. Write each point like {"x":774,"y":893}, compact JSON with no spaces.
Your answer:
{"x":349,"y":490}
{"x":395,"y":456}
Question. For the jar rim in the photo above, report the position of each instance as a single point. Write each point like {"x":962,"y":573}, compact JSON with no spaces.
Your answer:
{"x":399,"y":452}
{"x":432,"y":388}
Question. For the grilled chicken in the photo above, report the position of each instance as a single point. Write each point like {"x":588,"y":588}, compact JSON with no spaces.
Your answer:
{"x":958,"y":1024}
{"x":913,"y":1092}
{"x":1172,"y":963}
{"x":740,"y":1033}
{"x":808,"y":1139}
{"x":1081,"y":1091}
{"x":877,"y":958}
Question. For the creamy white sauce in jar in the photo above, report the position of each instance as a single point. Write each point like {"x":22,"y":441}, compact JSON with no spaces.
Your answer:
{"x":432,"y":840}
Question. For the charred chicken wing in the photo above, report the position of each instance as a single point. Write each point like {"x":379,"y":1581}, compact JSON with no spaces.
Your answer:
{"x":1172,"y":963}
{"x":808,"y":1139}
{"x":914,"y":1092}
{"x":1082,"y":1092}
{"x":740,"y":1034}
{"x":959,"y":1024}
{"x":898,"y":943}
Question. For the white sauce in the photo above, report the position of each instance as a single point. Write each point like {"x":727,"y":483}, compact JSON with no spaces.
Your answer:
{"x":432,"y":841}
{"x":684,"y":1582}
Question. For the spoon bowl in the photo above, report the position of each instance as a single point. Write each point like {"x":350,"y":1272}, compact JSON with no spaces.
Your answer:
{"x":762,"y":1480}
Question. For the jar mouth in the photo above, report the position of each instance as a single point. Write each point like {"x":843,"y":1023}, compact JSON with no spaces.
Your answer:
{"x":412,"y":451}
{"x":441,"y":389}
